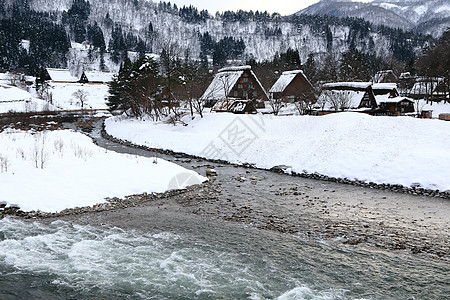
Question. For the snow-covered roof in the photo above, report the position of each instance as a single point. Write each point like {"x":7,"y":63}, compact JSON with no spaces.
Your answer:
{"x":285,"y":79}
{"x":95,"y":76}
{"x":406,"y":75}
{"x":354,"y":98}
{"x":231,"y":105}
{"x":61,"y":75}
{"x":225,"y":80}
{"x":223,"y":105}
{"x":381,"y":76}
{"x":349,"y":85}
{"x":235,"y":68}
{"x":222,"y":85}
{"x":240,"y":106}
{"x":384,"y":86}
{"x":392,"y":100}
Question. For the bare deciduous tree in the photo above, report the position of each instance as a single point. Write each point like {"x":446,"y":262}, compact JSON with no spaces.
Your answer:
{"x":39,"y":153}
{"x":303,"y":106}
{"x":194,"y":80}
{"x":220,"y":88}
{"x":44,"y":92}
{"x":15,"y":78}
{"x":59,"y":145}
{"x":339,"y":101}
{"x":419,"y":105}
{"x":81,"y":96}
{"x":4,"y":163}
{"x":276,"y":105}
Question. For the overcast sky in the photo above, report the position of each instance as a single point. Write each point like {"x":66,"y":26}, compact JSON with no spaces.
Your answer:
{"x":284,"y":7}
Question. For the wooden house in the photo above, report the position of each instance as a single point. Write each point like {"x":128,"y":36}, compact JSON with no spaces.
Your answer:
{"x":375,"y":99}
{"x":385,"y":76}
{"x":60,"y":76}
{"x":388,"y":89}
{"x":389,"y":100}
{"x":292,"y":86}
{"x":397,"y":106}
{"x":444,"y":116}
{"x":238,"y":83}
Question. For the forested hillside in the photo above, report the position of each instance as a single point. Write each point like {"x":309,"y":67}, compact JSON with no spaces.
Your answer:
{"x":100,"y":34}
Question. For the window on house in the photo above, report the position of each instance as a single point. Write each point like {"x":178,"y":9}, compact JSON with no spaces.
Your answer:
{"x":240,"y":86}
{"x":235,"y":93}
{"x":245,"y":94}
{"x":245,"y":79}
{"x":250,"y":85}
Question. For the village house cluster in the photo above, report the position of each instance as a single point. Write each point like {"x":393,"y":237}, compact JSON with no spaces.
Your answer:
{"x":64,"y":76}
{"x":238,"y":90}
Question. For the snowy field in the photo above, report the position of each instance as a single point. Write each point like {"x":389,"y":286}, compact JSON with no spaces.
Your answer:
{"x":395,"y":150}
{"x":54,"y":170}
{"x":63,"y":95}
{"x":13,"y":99}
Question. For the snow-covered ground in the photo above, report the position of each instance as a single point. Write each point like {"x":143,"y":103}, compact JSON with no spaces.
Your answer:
{"x":396,"y":150}
{"x":63,"y":95}
{"x":54,"y":170}
{"x":64,"y":98}
{"x":14,"y":99}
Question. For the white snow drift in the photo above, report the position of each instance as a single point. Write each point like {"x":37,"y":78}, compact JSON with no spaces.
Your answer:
{"x":396,"y":150}
{"x":51,"y":171}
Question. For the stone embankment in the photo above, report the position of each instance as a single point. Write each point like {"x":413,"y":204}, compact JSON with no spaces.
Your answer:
{"x":110,"y":204}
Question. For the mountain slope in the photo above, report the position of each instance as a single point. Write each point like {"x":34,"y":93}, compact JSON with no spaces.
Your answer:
{"x":427,"y":16}
{"x":135,"y":16}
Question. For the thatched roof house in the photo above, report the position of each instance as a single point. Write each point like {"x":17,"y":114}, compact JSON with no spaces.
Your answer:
{"x":292,"y":86}
{"x":237,"y":83}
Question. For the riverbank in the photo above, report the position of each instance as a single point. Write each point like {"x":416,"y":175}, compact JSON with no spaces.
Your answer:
{"x":347,"y":215}
{"x":308,"y":209}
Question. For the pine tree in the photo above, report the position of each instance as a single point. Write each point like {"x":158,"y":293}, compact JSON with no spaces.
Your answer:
{"x":310,"y":69}
{"x":136,"y":88}
{"x":95,"y":36}
{"x":117,"y":45}
{"x":118,"y":88}
{"x":77,"y":17}
{"x":354,"y":66}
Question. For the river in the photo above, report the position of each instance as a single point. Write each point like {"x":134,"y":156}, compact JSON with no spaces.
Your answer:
{"x":185,"y":250}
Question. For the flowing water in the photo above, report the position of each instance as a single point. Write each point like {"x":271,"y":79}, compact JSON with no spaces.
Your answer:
{"x":186,"y":257}
{"x":197,"y":260}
